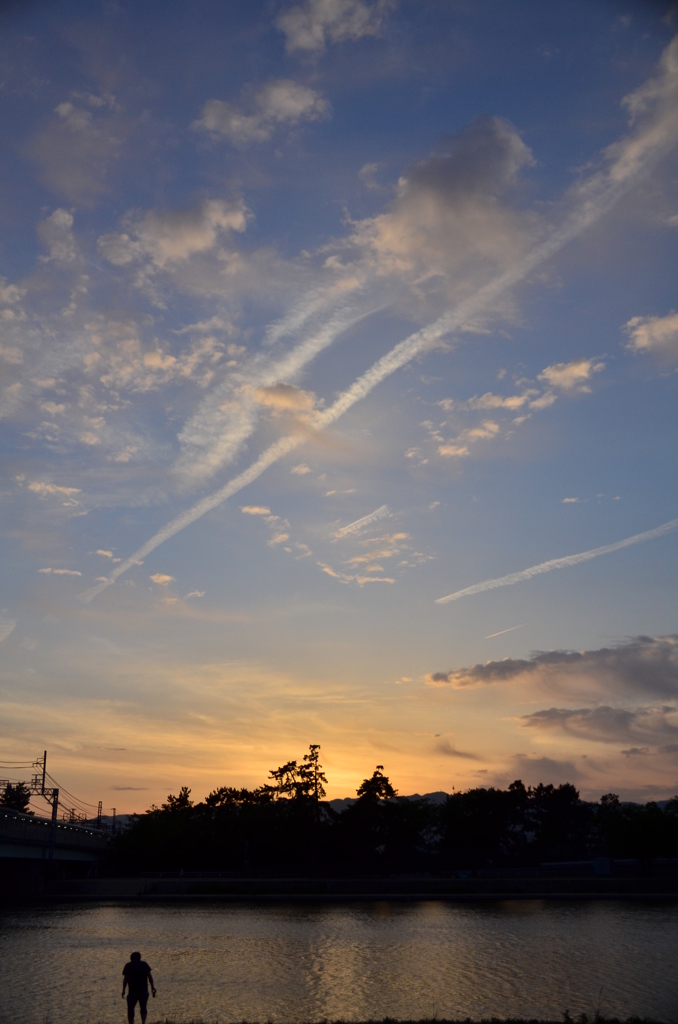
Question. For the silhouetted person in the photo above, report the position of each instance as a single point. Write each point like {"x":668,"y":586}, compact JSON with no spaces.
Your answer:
{"x":136,"y":975}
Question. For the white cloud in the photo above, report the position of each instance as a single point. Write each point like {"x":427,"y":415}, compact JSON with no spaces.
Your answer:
{"x":172,"y":236}
{"x":117,"y":355}
{"x":44,"y":490}
{"x":301,"y":469}
{"x":161,"y":578}
{"x":366,"y":174}
{"x":490,"y":401}
{"x":293,"y":406}
{"x":60,"y":572}
{"x":195,"y":593}
{"x":309,"y":27}
{"x":11,"y":354}
{"x":458,"y":447}
{"x":452,"y":224}
{"x":9,"y":293}
{"x":278,"y":538}
{"x":571,"y":376}
{"x":277,"y":103}
{"x":256,"y":510}
{"x":653,"y":334}
{"x":6,"y":626}
{"x":449,"y":451}
{"x":56,"y":234}
{"x":75,"y":149}
{"x":544,"y":401}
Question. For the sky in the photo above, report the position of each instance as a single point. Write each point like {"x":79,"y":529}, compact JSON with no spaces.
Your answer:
{"x":338,"y":366}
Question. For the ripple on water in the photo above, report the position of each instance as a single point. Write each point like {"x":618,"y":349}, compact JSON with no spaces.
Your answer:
{"x":294,"y":962}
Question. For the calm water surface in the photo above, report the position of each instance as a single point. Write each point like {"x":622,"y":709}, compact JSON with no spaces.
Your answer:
{"x":224,"y":963}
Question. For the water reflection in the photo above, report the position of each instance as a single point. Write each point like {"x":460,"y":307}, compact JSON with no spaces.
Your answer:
{"x":221,"y":962}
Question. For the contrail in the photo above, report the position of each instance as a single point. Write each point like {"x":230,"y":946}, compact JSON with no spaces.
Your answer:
{"x":633,"y":156}
{"x":271,"y":455}
{"x":217,"y":431}
{"x":502,"y":631}
{"x":359,"y":524}
{"x":558,"y":563}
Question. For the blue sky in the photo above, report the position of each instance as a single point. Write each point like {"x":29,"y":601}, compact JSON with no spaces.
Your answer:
{"x":313,"y":314}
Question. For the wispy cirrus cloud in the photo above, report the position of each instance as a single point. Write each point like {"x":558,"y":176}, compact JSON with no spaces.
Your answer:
{"x":655,"y":116}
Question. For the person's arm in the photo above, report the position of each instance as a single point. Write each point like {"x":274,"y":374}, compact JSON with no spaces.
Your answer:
{"x":150,"y":978}
{"x":124,"y":984}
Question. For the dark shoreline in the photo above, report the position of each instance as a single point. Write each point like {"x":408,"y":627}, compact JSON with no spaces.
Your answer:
{"x":337,"y":890}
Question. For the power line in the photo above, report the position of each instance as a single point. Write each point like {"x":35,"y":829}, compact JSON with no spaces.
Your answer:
{"x":84,"y":803}
{"x":79,"y":809}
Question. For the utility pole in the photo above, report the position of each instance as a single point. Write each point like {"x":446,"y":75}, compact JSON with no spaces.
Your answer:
{"x":55,"y":808}
{"x":44,"y":771}
{"x":113,"y":823}
{"x":99,"y":815}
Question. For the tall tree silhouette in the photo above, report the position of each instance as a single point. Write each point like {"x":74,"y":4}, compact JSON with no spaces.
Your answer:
{"x":377,"y":787}
{"x":16,"y":798}
{"x":299,"y":781}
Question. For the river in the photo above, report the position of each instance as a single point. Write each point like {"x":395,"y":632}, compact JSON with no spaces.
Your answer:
{"x":354,"y":961}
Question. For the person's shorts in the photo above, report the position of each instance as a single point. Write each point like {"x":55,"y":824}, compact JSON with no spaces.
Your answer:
{"x":137,"y":997}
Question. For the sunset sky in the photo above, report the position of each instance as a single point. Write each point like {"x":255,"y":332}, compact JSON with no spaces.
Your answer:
{"x":312,"y":315}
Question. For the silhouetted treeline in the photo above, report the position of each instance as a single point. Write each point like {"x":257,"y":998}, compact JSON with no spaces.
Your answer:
{"x":285,"y":828}
{"x":16,"y":797}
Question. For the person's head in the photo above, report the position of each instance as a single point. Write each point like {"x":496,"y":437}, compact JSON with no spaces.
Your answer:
{"x":135,"y":956}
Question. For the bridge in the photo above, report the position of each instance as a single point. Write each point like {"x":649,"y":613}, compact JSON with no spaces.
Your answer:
{"x":69,"y":842}
{"x":28,"y":837}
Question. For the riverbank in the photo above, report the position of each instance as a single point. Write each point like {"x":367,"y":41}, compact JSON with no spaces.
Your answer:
{"x":565,"y":1018}
{"x":343,"y":889}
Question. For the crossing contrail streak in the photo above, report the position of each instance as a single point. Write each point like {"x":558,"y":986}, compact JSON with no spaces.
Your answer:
{"x":211,"y":437}
{"x":558,"y":563}
{"x":630,"y":160}
{"x":360,"y":524}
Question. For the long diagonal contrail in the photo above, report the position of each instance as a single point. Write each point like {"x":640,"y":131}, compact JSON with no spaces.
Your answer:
{"x":634,"y":156}
{"x":558,"y":563}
